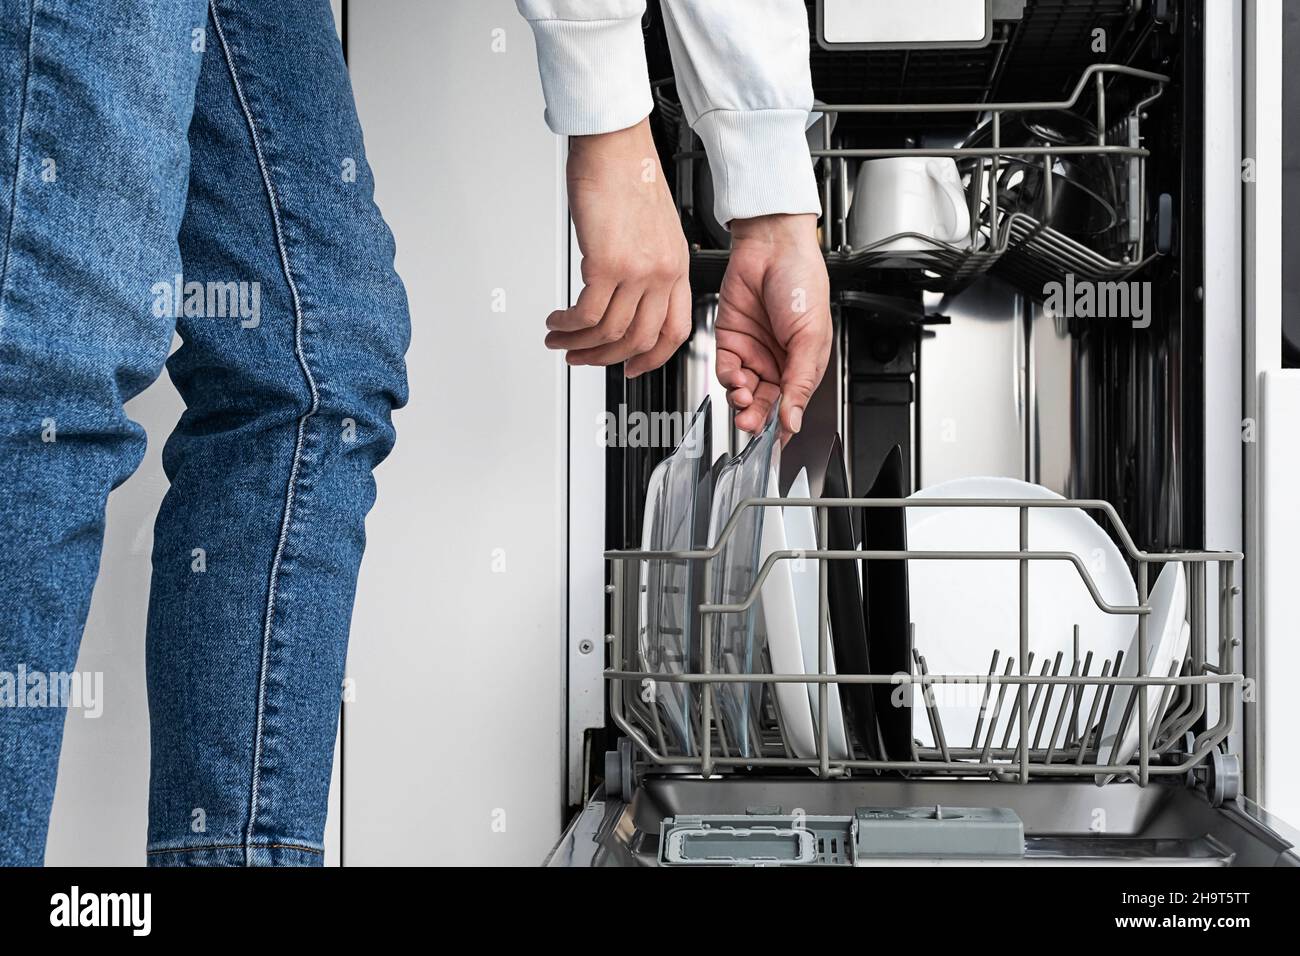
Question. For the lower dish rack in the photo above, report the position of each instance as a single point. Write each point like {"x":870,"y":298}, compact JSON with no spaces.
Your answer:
{"x":1038,"y":719}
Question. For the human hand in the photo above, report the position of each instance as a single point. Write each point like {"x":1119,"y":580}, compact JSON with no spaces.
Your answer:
{"x":774,"y":319}
{"x":635,"y":306}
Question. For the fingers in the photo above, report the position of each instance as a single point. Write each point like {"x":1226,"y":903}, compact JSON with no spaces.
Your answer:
{"x":610,"y":327}
{"x":587,"y":312}
{"x":740,"y":391}
{"x":750,"y":394}
{"x":739,"y":381}
{"x":642,"y":321}
{"x":754,"y":417}
{"x":753,"y":354}
{"x":751,"y":372}
{"x":676,"y":330}
{"x":807,"y":355}
{"x":640,"y":335}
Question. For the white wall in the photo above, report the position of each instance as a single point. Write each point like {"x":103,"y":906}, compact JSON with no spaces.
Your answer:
{"x":1280,"y":521}
{"x":101,"y":803}
{"x":1279,"y":403}
{"x":457,"y":643}
{"x":454,"y":741}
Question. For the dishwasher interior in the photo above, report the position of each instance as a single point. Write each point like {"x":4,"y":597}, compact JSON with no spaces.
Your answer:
{"x":1053,"y":337}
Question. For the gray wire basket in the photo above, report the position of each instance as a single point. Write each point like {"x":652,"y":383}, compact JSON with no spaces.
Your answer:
{"x":1018,"y":245}
{"x":1174,"y":737}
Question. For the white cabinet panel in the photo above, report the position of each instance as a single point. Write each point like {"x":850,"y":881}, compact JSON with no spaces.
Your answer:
{"x":1280,"y":524}
{"x":454,"y":743}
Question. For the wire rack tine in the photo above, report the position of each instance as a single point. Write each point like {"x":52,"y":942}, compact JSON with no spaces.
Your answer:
{"x":931,"y":710}
{"x":1060,"y":716}
{"x":1048,"y":690}
{"x":984,"y":704}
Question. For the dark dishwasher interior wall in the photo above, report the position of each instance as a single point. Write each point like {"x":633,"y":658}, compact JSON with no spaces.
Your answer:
{"x":1093,"y":410}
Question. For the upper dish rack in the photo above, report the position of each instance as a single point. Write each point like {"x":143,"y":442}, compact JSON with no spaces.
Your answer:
{"x":1047,"y":732}
{"x":1016,"y":244}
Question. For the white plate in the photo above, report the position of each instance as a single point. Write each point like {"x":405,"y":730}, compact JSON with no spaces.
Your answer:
{"x":801,"y":535}
{"x":781,"y":625}
{"x":963,"y":610}
{"x":1167,"y":638}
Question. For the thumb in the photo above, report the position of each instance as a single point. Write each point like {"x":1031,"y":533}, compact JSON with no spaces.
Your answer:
{"x":805,"y":363}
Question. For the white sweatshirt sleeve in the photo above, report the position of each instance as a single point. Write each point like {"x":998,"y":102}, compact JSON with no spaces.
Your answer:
{"x":592,"y":60}
{"x":742,"y":75}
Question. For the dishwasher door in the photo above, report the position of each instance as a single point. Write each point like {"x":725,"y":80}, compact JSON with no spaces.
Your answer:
{"x":1065,"y":823}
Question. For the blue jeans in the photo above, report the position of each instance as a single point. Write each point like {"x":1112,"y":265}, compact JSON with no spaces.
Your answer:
{"x":190,"y":167}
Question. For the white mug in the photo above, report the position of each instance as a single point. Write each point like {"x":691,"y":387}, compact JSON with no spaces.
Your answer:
{"x":920,"y":194}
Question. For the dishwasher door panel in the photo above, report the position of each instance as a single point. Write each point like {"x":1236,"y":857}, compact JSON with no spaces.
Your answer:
{"x":1065,"y":824}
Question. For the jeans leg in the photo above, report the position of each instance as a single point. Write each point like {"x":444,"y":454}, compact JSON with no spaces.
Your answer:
{"x":95,"y":101}
{"x":288,"y":410}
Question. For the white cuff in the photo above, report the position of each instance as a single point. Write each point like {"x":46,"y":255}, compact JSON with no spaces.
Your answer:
{"x":760,"y":163}
{"x":594,"y":74}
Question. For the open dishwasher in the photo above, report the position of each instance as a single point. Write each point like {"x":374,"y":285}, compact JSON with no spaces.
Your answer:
{"x":1080,"y":167}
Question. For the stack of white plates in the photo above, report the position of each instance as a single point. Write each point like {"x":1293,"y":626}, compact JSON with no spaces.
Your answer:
{"x":965,"y":610}
{"x":791,"y":598}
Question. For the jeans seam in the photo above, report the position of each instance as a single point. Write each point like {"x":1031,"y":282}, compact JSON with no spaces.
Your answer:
{"x":203,"y":847}
{"x":18,"y":154}
{"x":291,"y":489}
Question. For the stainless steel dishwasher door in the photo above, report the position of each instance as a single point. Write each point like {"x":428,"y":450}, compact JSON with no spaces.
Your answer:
{"x":1065,"y":823}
